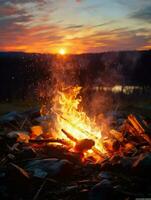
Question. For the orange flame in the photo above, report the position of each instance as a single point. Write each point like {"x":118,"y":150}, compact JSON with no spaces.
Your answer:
{"x":71,"y":118}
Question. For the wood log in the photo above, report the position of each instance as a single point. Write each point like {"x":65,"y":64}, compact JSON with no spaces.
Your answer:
{"x":73,"y":139}
{"x":95,"y":150}
{"x":140,"y":131}
{"x":61,"y":141}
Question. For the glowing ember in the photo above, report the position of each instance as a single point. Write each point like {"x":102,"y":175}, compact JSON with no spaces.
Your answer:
{"x":72,"y":123}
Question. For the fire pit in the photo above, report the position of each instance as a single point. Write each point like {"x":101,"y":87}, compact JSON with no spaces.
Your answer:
{"x":63,"y":154}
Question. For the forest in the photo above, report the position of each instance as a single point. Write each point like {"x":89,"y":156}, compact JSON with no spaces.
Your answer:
{"x":21,"y":74}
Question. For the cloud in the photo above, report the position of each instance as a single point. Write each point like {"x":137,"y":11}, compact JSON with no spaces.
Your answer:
{"x":74,"y":26}
{"x":36,"y":26}
{"x":7,"y":10}
{"x":143,"y":14}
{"x":21,"y":1}
{"x":116,"y":39}
{"x":105,"y":23}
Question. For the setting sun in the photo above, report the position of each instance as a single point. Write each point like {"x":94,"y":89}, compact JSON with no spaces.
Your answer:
{"x":62,"y":51}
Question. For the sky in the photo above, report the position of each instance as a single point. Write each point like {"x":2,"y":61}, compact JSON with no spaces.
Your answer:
{"x":79,"y":26}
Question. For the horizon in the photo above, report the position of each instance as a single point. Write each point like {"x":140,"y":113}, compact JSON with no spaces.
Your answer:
{"x":69,"y":54}
{"x":78,"y":26}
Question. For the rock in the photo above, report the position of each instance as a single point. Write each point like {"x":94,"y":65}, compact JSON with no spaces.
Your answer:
{"x":117,"y":163}
{"x":19,"y":136}
{"x":143,"y":164}
{"x":71,"y":189}
{"x":10,"y":117}
{"x":13,"y":135}
{"x":104,"y":175}
{"x":84,"y":145}
{"x":26,"y":153}
{"x":52,"y":167}
{"x":44,"y":118}
{"x":125,"y":163}
{"x":31,"y":113}
{"x":120,"y":121}
{"x":11,"y":156}
{"x":102,"y":191}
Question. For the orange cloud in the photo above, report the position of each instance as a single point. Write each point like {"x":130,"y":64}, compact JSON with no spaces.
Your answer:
{"x":37,"y":31}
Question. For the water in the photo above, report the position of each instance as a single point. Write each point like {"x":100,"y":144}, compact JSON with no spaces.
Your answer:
{"x":127,"y":89}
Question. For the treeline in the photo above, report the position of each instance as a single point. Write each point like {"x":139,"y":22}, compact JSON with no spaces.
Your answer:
{"x":22,"y":73}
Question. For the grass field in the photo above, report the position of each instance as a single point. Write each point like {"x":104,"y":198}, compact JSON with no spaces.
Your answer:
{"x":19,"y":106}
{"x":140,"y":105}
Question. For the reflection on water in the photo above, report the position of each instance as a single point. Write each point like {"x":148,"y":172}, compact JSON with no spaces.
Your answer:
{"x":127,"y":89}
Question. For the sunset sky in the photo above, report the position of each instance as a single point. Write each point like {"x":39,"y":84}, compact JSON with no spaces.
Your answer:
{"x":79,"y":26}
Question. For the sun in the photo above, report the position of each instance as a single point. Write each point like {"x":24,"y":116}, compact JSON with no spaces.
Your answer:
{"x":62,"y":51}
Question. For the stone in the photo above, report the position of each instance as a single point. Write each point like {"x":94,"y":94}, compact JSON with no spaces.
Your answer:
{"x":102,"y":191}
{"x":104,"y":175}
{"x":143,"y":164}
{"x":51,"y":166}
{"x":26,"y":153}
{"x":10,"y":117}
{"x":19,"y":136}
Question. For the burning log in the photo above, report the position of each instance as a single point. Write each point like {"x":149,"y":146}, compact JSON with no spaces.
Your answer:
{"x":139,"y":129}
{"x":69,"y":136}
{"x":84,"y":145}
{"x":111,"y":145}
{"x":116,"y":135}
{"x":136,"y":124}
{"x":52,"y":140}
{"x":94,"y":149}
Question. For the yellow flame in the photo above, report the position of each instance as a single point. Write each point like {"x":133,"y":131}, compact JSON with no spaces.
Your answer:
{"x":71,"y":118}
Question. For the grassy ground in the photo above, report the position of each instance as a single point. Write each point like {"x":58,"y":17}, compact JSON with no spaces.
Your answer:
{"x":136,"y":105}
{"x":19,"y":106}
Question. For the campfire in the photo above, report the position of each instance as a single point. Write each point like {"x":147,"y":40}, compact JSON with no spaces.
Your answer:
{"x":61,"y":152}
{"x":74,"y":126}
{"x":64,"y":149}
{"x":72,"y":129}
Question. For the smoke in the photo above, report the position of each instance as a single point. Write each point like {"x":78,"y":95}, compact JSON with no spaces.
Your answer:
{"x":94,"y":73}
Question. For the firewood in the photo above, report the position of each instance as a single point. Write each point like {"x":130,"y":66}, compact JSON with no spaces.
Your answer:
{"x":84,"y":145}
{"x":52,"y":140}
{"x":140,"y":131}
{"x":95,"y":150}
{"x":69,"y":136}
{"x":136,"y":124}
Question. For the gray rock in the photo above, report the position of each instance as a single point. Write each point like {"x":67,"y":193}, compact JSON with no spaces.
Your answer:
{"x":26,"y":153}
{"x":16,"y":134}
{"x":102,"y":191}
{"x":13,"y":135}
{"x":52,"y":167}
{"x":31,"y":113}
{"x":10,"y":117}
{"x":104,"y":175}
{"x":143,"y":164}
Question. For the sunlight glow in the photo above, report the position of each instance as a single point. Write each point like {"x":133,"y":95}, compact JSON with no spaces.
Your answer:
{"x":62,"y":51}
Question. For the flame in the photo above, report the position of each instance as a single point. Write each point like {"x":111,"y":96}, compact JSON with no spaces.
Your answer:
{"x":72,"y":120}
